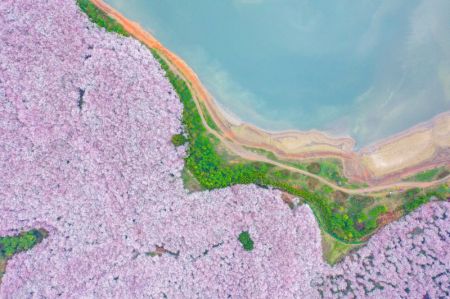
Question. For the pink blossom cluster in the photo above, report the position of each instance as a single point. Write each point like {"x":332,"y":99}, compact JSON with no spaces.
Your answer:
{"x":86,"y":119}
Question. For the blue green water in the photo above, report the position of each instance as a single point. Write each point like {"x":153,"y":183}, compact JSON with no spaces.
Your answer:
{"x":364,"y":68}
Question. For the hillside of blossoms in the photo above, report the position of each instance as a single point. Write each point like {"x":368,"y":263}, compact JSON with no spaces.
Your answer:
{"x":86,"y":120}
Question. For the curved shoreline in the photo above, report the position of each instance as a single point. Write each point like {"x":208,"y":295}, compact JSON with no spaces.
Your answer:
{"x":424,"y":146}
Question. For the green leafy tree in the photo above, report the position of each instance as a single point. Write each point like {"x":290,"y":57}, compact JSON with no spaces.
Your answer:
{"x":246,"y":240}
{"x":178,"y":139}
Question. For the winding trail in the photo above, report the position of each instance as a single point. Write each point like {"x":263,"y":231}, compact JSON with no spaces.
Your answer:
{"x":199,"y":92}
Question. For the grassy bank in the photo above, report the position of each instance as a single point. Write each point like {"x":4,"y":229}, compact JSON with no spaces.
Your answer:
{"x":335,"y":250}
{"x":430,"y":175}
{"x":344,"y":218}
{"x":100,"y":18}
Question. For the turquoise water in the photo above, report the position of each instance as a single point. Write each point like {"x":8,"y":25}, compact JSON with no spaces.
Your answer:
{"x":364,"y":68}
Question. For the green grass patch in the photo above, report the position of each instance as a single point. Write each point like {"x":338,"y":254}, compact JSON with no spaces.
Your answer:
{"x":335,"y":250}
{"x":246,"y":240}
{"x":101,"y":18}
{"x":429,"y":175}
{"x":208,"y":118}
{"x":330,"y":169}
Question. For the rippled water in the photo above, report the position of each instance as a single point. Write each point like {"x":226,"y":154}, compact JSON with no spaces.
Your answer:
{"x":366,"y":68}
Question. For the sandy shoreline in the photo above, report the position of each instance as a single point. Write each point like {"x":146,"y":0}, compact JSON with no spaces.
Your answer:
{"x":424,"y":146}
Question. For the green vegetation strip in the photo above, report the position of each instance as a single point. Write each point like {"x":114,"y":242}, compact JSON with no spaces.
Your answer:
{"x":430,"y":175}
{"x":208,"y":118}
{"x":348,"y":219}
{"x":100,"y":18}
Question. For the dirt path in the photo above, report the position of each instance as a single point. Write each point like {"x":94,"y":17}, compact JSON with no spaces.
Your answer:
{"x":200,"y":93}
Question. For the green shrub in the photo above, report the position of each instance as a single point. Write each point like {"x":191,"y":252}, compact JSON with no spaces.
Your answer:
{"x":24,"y":241}
{"x":178,"y":139}
{"x":246,"y":241}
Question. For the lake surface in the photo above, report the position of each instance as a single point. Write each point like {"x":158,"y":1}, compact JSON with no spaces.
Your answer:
{"x":364,"y":68}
